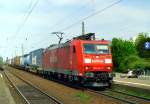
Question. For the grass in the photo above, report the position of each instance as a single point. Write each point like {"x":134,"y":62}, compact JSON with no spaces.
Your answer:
{"x":132,"y":90}
{"x":83,"y":97}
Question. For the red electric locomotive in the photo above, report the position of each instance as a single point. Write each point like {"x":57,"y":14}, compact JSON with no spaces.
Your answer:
{"x":83,"y":60}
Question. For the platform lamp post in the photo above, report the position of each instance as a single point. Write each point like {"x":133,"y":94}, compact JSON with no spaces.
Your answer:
{"x":59,"y":35}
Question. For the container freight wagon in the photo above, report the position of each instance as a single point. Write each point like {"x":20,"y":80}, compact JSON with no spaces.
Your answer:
{"x":36,"y":58}
{"x":17,"y":61}
{"x":83,"y":60}
{"x":26,"y":61}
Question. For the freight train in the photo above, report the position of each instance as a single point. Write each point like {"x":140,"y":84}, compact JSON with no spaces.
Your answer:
{"x":82,"y":60}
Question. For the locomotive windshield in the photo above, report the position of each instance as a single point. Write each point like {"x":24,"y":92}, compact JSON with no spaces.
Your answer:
{"x":96,"y":49}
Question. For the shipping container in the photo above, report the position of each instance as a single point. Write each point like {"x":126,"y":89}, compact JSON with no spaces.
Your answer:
{"x":21,"y":61}
{"x":17,"y":60}
{"x":36,"y":57}
{"x":26,"y":60}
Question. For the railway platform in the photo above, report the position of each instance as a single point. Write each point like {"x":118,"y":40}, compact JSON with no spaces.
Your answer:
{"x":5,"y":96}
{"x":141,"y":82}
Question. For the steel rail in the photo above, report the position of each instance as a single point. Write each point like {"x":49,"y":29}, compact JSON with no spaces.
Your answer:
{"x":56,"y":101}
{"x":144,"y":98}
{"x":101,"y":93}
{"x":19,"y":92}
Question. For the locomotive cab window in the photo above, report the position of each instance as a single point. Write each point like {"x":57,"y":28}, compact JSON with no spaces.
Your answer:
{"x":96,"y":49}
{"x":102,"y":49}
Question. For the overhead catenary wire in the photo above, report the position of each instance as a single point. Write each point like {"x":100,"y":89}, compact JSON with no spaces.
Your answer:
{"x":70,"y":15}
{"x":32,"y":6}
{"x":27,"y":17}
{"x":91,"y":15}
{"x":18,"y":29}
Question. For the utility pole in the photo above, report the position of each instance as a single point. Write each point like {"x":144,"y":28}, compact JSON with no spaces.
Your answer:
{"x":83,"y":29}
{"x":59,"y":35}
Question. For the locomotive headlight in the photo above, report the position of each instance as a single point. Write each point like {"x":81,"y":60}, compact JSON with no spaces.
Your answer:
{"x":108,"y":68}
{"x":87,"y":60}
{"x":86,"y":67}
{"x":108,"y":61}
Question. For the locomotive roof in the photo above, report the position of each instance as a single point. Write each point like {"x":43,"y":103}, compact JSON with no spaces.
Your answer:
{"x":85,"y":37}
{"x":37,"y":50}
{"x":25,"y":55}
{"x":55,"y":46}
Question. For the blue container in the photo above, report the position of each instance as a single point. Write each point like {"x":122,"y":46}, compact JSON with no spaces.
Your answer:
{"x":26,"y":60}
{"x":36,"y":57}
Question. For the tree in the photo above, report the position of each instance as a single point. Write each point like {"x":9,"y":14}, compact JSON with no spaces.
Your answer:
{"x":134,"y":62}
{"x":120,"y":50}
{"x":139,"y":43}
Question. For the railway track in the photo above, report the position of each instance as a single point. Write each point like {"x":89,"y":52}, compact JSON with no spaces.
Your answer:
{"x":118,"y":95}
{"x":30,"y":93}
{"x":122,"y":96}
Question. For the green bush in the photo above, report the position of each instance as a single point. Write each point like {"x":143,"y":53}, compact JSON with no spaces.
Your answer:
{"x":134,"y":62}
{"x":129,"y":55}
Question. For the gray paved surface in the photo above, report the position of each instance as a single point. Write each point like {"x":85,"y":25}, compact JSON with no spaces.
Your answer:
{"x":5,"y":96}
{"x":138,"y":82}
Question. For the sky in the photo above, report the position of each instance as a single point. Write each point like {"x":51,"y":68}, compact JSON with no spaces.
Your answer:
{"x":30,"y":23}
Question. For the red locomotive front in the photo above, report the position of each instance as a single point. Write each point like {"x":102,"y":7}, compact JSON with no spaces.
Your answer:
{"x":94,"y":62}
{"x":85,"y":61}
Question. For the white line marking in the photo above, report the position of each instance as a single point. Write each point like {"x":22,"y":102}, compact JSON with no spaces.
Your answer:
{"x":1,"y":75}
{"x":132,"y":83}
